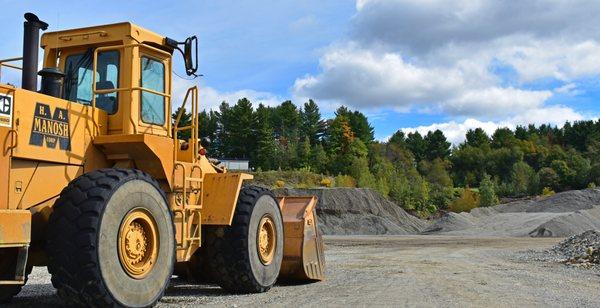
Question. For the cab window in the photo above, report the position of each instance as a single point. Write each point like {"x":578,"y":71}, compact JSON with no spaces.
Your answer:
{"x":78,"y":79}
{"x":153,"y":78}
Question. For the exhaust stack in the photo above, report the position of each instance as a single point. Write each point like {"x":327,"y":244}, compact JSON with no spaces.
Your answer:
{"x":31,"y":46}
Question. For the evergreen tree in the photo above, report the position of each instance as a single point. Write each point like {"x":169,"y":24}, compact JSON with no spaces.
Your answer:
{"x":223,"y":142}
{"x":266,"y":157}
{"x":398,"y":138}
{"x":477,"y":138}
{"x":286,"y":121}
{"x":503,"y":138}
{"x":241,"y":121}
{"x":417,"y":145}
{"x":304,"y":153}
{"x":319,"y":160}
{"x":312,"y":125}
{"x":208,"y":126}
{"x":487,"y":192}
{"x":437,"y":146}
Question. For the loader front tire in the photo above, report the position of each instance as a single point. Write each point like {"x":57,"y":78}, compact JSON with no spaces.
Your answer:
{"x":111,"y":240}
{"x":246,"y":256}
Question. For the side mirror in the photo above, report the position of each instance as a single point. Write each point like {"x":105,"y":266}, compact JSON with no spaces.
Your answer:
{"x":191,"y":61}
{"x":189,"y":52}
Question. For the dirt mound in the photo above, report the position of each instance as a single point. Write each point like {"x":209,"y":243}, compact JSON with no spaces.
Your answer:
{"x":356,"y":211}
{"x":560,"y":215}
{"x":569,"y":224}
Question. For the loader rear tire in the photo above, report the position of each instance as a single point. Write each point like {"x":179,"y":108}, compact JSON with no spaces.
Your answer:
{"x":111,"y":240}
{"x":236,"y":263}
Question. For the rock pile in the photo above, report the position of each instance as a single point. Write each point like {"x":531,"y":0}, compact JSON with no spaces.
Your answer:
{"x":581,"y":249}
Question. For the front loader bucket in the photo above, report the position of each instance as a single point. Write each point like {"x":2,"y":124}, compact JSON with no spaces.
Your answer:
{"x":303,"y":256}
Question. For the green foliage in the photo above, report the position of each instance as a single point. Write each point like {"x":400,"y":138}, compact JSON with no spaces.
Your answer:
{"x":467,"y":201}
{"x":549,"y":178}
{"x":398,"y":138}
{"x":436,"y":145}
{"x":419,"y":172}
{"x":312,"y":126}
{"x":291,"y":178}
{"x":503,"y":138}
{"x":358,"y":124}
{"x":344,"y":181}
{"x":417,"y":145}
{"x":359,"y":170}
{"x":547,"y":191}
{"x":266,"y":155}
{"x":286,"y":121}
{"x":523,"y":179}
{"x":487,"y":192}
{"x":477,"y":138}
{"x":326,"y":182}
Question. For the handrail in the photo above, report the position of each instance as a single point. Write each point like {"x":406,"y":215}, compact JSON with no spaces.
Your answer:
{"x":130,"y":89}
{"x":193,"y":127}
{"x":3,"y":62}
{"x":69,"y":37}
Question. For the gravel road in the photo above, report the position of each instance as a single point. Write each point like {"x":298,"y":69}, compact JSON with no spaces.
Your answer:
{"x":428,"y":270}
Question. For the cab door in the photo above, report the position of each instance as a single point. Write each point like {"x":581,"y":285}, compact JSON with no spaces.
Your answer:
{"x":154,"y":95}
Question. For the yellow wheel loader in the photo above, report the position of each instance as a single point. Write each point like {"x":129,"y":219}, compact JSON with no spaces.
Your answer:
{"x":96,"y":185}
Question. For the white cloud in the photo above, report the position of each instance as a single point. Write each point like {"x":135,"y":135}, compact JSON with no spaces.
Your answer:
{"x":421,"y":26}
{"x":438,"y":56}
{"x":370,"y":79}
{"x":455,"y":131}
{"x":210,"y":98}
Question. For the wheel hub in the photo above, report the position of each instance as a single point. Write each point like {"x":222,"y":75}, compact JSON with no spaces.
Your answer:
{"x":138,"y":243}
{"x":266,"y":239}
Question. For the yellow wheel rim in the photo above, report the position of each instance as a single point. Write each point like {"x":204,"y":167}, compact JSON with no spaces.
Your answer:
{"x":138,"y":243}
{"x":266,"y":239}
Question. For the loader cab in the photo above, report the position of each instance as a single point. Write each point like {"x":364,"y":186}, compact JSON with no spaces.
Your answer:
{"x":122,"y":69}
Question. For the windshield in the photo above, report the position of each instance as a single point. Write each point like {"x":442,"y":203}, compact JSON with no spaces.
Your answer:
{"x":78,"y":79}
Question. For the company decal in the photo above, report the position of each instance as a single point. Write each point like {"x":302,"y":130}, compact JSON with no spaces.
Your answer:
{"x":6,"y":110}
{"x":50,"y":128}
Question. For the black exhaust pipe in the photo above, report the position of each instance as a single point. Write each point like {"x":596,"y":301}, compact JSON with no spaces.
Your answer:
{"x":31,"y":45}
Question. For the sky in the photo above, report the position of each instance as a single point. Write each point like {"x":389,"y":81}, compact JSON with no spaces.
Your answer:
{"x":412,"y":65}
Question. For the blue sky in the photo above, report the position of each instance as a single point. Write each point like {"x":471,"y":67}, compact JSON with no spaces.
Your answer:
{"x":412,"y":65}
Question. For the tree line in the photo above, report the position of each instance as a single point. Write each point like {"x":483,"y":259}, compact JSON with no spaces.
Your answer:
{"x":422,"y":173}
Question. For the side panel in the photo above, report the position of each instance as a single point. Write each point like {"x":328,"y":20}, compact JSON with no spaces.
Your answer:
{"x":35,"y":182}
{"x":15,"y":228}
{"x":220,"y":194}
{"x":6,"y":141}
{"x":53,"y":130}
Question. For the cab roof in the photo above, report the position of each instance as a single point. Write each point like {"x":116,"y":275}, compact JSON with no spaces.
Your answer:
{"x":111,"y":34}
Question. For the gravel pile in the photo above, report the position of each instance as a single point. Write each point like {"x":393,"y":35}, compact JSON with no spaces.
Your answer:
{"x":561,"y":215}
{"x":358,"y":211}
{"x":581,"y":249}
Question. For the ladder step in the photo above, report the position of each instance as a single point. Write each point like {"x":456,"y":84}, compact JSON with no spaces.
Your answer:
{"x":192,"y":207}
{"x":193,"y":179}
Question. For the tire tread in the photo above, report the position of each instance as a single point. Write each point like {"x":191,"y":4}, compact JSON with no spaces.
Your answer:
{"x":73,"y":234}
